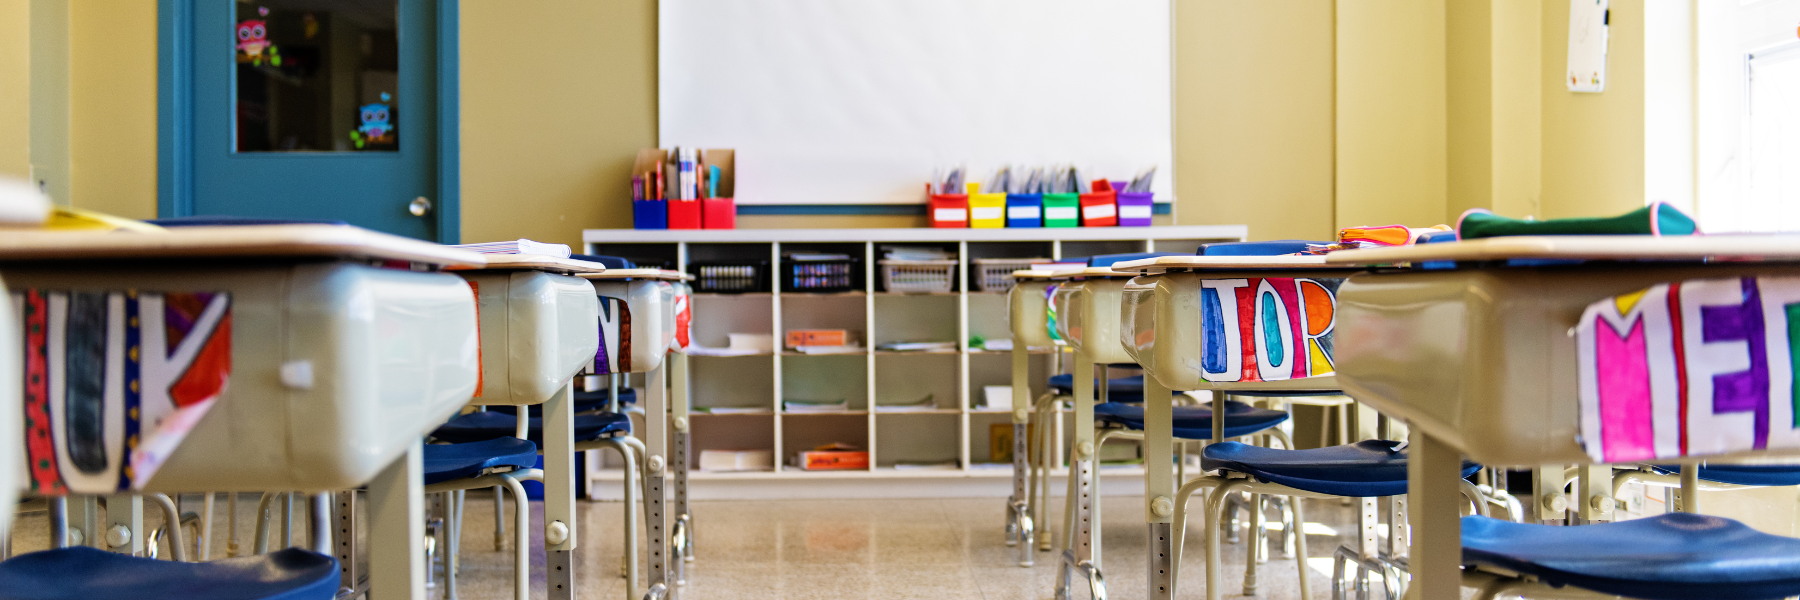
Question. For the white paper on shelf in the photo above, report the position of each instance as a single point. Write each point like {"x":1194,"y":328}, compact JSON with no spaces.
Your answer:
{"x":698,"y":350}
{"x":845,"y":349}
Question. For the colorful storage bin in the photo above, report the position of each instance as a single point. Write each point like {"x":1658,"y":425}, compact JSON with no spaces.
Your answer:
{"x":1024,"y":210}
{"x":1062,"y":210}
{"x":987,"y":211}
{"x":1100,"y":208}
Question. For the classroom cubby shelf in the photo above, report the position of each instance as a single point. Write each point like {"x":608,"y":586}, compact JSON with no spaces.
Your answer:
{"x":955,"y":431}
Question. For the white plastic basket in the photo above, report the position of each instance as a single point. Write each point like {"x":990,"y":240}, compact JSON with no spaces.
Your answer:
{"x":995,"y":274}
{"x":917,"y":276}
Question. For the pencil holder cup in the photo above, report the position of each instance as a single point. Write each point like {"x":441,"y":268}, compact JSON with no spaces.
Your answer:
{"x":949,"y":210}
{"x":1100,"y":207}
{"x":718,"y":213}
{"x":1062,"y":210}
{"x":1024,"y":210}
{"x":684,"y":214}
{"x":649,"y":214}
{"x":987,"y":211}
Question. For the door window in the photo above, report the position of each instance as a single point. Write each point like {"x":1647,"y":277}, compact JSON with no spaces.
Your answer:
{"x":316,"y":75}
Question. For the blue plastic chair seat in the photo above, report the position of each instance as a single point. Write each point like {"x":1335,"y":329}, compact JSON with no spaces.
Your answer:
{"x":1676,"y":556}
{"x":584,"y":402}
{"x":445,"y":462}
{"x":1366,"y":469}
{"x":84,"y":573}
{"x":1263,"y":248}
{"x":1765,"y":475}
{"x":1133,"y":386}
{"x":1107,"y":260}
{"x":1195,"y":422}
{"x":487,"y":425}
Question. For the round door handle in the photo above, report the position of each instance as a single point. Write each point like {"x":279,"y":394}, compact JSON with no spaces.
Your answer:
{"x":419,"y":207}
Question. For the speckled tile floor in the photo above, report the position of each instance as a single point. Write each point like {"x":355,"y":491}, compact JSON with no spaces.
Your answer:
{"x":887,"y":548}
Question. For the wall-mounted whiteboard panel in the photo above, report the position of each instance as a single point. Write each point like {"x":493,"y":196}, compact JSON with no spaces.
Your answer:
{"x":857,"y":101}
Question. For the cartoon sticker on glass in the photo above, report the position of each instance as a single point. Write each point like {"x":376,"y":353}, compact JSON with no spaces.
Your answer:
{"x":253,"y":43}
{"x":377,"y":126}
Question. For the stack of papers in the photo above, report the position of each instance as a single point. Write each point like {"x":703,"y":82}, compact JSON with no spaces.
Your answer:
{"x":518,"y":247}
{"x":917,"y":346}
{"x":916,"y":253}
{"x":815,"y":256}
{"x":907,"y":465}
{"x":815,"y":406}
{"x":699,"y":350}
{"x":729,"y":410}
{"x":845,"y":349}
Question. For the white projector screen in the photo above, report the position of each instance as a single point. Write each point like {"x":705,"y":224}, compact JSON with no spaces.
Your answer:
{"x":858,"y":101}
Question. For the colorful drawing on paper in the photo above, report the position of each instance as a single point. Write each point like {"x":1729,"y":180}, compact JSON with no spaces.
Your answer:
{"x":614,"y":355}
{"x":1050,"y":314}
{"x":115,"y":381}
{"x":1267,"y":329}
{"x":377,"y":126}
{"x":1690,"y":368}
{"x":682,"y":317}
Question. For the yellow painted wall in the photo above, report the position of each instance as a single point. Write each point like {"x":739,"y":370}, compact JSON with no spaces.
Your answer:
{"x":15,"y":88}
{"x":1253,"y":120}
{"x":1593,"y":144}
{"x":1493,"y":107}
{"x":112,"y":85}
{"x":49,"y":138}
{"x":1391,"y":112}
{"x":558,"y":96}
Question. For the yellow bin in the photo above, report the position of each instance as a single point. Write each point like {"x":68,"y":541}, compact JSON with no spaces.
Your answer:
{"x":987,"y":211}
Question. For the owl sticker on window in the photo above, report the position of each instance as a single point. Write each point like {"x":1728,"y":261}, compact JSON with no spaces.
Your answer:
{"x":376,"y":127}
{"x":253,"y":43}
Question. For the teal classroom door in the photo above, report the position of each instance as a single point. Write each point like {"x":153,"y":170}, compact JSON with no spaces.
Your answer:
{"x":310,"y":109}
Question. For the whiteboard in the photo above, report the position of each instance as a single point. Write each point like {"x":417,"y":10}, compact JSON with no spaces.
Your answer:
{"x":858,"y":101}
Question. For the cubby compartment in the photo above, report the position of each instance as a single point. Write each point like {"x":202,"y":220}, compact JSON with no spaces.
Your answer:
{"x":800,"y":433}
{"x":995,"y":368}
{"x":905,"y":380}
{"x":917,"y":440}
{"x":826,"y":378}
{"x":717,"y":316}
{"x":734,"y":383}
{"x":649,"y":256}
{"x":1084,"y":249}
{"x":730,"y":432}
{"x":909,"y":318}
{"x":988,"y":318}
{"x":822,"y":268}
{"x":987,"y":433}
{"x":806,"y":311}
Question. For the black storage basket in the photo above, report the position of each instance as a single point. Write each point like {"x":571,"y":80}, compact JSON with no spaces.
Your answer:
{"x":821,"y":276}
{"x":730,"y":276}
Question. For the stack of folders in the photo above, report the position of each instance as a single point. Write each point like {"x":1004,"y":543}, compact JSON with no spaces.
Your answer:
{"x":518,"y":247}
{"x":684,"y":188}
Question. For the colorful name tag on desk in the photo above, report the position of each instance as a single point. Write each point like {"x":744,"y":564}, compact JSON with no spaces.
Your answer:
{"x":614,"y":355}
{"x":115,"y":380}
{"x":1267,"y":329}
{"x":1691,"y":368}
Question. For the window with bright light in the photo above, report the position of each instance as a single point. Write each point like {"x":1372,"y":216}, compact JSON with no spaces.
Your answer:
{"x":1772,"y":139}
{"x":1749,"y":116}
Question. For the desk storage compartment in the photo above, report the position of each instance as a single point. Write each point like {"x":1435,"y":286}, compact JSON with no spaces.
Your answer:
{"x":1090,"y":318}
{"x":1483,"y":358}
{"x":730,"y":276}
{"x":335,"y":369}
{"x":536,"y":333}
{"x":636,"y":325}
{"x":1186,"y":330}
{"x":1029,"y":314}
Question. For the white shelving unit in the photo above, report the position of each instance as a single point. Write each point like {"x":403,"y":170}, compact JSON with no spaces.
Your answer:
{"x":956,"y":433}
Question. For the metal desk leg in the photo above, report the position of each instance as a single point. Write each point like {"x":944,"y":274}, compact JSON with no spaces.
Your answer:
{"x":682,"y":444}
{"x":84,"y":521}
{"x":1079,"y":554}
{"x":560,"y":533}
{"x":124,"y":524}
{"x":1435,"y":496}
{"x":350,"y":575}
{"x":397,"y":528}
{"x":1018,"y":518}
{"x":656,"y":447}
{"x":1159,"y":487}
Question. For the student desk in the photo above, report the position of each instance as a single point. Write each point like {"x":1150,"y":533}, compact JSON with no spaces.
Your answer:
{"x":12,"y":430}
{"x":1480,"y":361}
{"x":537,"y":333}
{"x":1181,"y":322}
{"x":341,"y":346}
{"x":638,"y":328}
{"x":1028,"y":316}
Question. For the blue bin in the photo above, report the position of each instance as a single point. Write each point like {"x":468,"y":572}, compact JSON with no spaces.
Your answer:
{"x":1024,"y":210}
